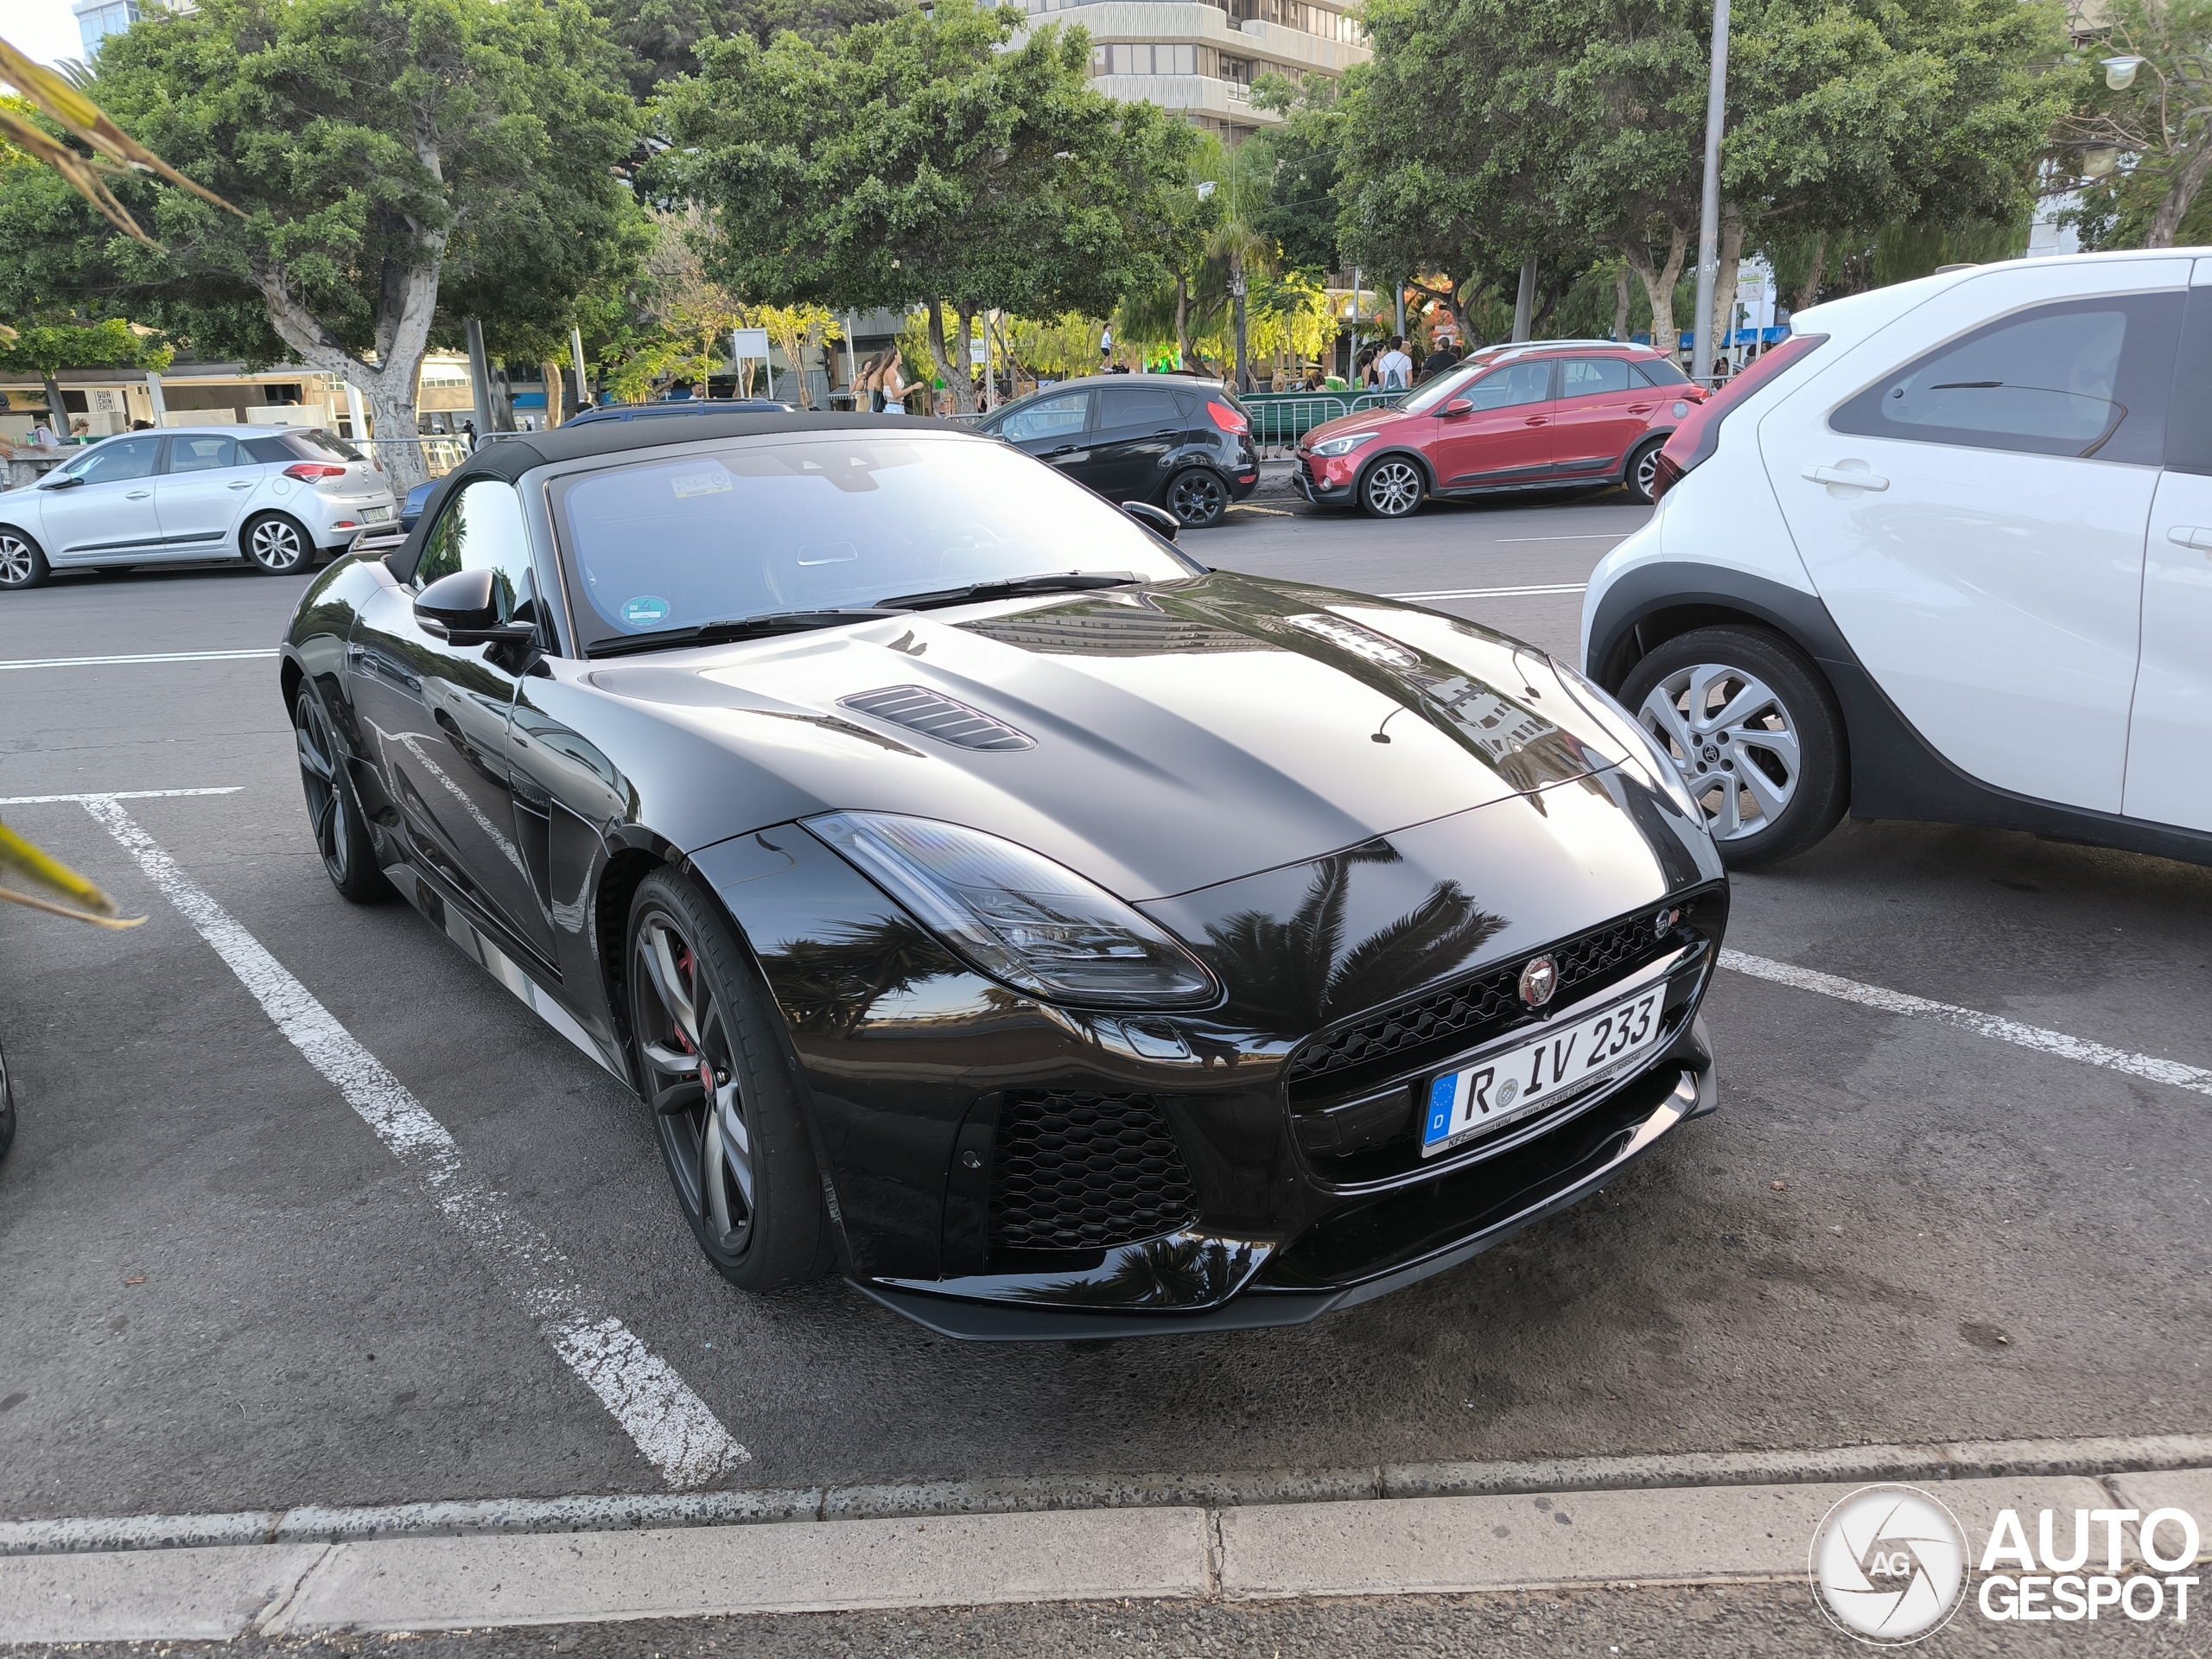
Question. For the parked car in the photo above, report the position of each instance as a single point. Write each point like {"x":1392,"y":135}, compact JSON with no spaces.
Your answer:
{"x":1535,"y":416}
{"x":989,"y":900}
{"x":1946,"y":554}
{"x":680,"y":406}
{"x":273,"y":497}
{"x":1141,"y":437}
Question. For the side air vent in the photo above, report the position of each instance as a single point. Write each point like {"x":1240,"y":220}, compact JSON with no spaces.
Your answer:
{"x":1075,"y":1170}
{"x":934,"y":714}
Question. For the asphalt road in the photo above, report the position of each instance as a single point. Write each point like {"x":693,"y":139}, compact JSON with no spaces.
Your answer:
{"x":223,"y":1292}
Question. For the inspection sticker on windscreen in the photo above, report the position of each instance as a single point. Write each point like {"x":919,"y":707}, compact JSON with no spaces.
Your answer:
{"x":712,"y":482}
{"x":1538,"y":1070}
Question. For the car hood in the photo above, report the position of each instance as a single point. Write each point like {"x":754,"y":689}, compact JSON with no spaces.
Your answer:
{"x":1157,"y":738}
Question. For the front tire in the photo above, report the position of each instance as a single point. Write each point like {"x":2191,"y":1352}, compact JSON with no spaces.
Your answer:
{"x":1392,"y":488}
{"x":23,"y":564}
{"x":342,"y":828}
{"x":276,"y":545}
{"x":1199,"y":496}
{"x":1756,"y":734}
{"x":710,"y":1057}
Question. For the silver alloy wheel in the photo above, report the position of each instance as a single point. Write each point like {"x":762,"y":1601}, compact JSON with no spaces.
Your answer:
{"x":684,"y":1037}
{"x":1647,"y":470}
{"x":1733,"y":740}
{"x":276,"y":545}
{"x":319,"y":778}
{"x":1393,"y":488}
{"x":18,"y":560}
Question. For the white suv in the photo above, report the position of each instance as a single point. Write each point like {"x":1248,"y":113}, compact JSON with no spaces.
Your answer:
{"x":1944,"y":553}
{"x":269,"y":497}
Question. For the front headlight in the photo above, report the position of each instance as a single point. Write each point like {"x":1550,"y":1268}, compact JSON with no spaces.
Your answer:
{"x":1627,"y":730}
{"x":1018,"y":916}
{"x":1344,"y":445}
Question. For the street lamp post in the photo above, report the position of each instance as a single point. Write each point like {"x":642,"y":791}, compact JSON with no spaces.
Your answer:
{"x":1709,"y":226}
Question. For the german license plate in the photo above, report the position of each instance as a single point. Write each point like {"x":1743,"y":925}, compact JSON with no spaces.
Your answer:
{"x":1539,"y":1070}
{"x":375,"y":515}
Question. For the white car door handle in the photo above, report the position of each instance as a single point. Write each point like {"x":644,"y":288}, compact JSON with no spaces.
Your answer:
{"x":2197,"y":536}
{"x":1850,"y":478}
{"x":242,"y":484}
{"x":137,"y":495}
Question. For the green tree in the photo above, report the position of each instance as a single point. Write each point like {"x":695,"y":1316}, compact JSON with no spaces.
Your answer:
{"x":2142,"y":152}
{"x":934,"y":157}
{"x":661,"y":38}
{"x":389,"y":155}
{"x":41,"y":348}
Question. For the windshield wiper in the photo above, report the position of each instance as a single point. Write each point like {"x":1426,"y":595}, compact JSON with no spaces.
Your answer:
{"x":1067,"y":582}
{"x":737,"y":627}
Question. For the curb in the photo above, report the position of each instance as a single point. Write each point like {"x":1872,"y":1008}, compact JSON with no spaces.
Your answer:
{"x":2095,"y":1455}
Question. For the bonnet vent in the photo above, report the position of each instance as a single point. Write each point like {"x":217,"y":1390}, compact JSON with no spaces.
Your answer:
{"x":934,"y":714}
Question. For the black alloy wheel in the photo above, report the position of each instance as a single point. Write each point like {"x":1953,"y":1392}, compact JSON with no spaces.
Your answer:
{"x":1199,"y":497}
{"x":712,"y":1068}
{"x":276,"y":545}
{"x":1392,"y":487}
{"x":21,"y":563}
{"x":1641,"y":474}
{"x":341,"y":829}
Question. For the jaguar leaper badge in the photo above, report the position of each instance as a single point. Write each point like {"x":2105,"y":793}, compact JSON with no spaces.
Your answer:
{"x":1538,"y":981}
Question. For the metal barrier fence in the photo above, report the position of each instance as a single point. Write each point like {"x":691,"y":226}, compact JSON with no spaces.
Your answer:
{"x":440,"y":453}
{"x":1281,"y":418}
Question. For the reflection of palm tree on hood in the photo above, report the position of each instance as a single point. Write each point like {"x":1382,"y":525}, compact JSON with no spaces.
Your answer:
{"x":1294,"y":974}
{"x":1182,"y":1271}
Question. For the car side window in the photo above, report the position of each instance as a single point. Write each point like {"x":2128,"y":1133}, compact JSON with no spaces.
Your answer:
{"x":1594,"y":377}
{"x":1059,"y":417}
{"x":1658,"y":371}
{"x":260,"y":451}
{"x":120,"y":459}
{"x":1142,"y":406}
{"x":202,"y":453}
{"x":2189,"y":421}
{"x":2083,"y":378}
{"x":482,"y":529}
{"x":1511,"y":386}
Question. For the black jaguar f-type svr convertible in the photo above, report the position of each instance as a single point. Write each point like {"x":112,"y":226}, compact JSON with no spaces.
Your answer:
{"x":987,"y":901}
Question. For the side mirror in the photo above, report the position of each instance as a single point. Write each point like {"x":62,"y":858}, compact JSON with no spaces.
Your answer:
{"x":63,"y":482}
{"x":1158,"y":520}
{"x":463,"y":609}
{"x":1458,"y":406}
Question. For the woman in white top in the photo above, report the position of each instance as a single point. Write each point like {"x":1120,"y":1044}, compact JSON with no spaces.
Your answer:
{"x":893,"y":385}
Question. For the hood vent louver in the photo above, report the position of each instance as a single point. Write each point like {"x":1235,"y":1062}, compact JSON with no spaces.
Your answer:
{"x":934,"y":714}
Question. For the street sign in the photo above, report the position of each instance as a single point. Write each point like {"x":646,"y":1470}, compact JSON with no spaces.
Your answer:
{"x":749,"y":342}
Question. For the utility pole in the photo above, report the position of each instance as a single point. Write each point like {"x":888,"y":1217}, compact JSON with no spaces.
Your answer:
{"x":1708,"y":225}
{"x":1524,"y":301}
{"x":480,"y":379}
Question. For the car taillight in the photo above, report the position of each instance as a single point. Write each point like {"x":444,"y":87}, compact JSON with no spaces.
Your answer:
{"x":308,"y":471}
{"x":1693,"y":441}
{"x":1227,"y":419}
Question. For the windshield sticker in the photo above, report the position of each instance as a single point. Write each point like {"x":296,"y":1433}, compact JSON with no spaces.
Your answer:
{"x":645,"y":611}
{"x":707,"y":483}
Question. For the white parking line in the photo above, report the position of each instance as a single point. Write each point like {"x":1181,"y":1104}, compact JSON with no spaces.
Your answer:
{"x":148,"y":657}
{"x":1497,"y":592}
{"x":116,"y":795}
{"x":672,"y":1426}
{"x":1594,"y":536}
{"x":2146,"y":1066}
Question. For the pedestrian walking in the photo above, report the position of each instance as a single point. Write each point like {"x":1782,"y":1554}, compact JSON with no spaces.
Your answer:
{"x":1394,"y":370}
{"x":891,"y":385}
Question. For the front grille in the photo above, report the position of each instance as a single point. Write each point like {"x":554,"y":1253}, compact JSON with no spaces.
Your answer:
{"x":1072,"y":1170}
{"x":1479,"y":1006}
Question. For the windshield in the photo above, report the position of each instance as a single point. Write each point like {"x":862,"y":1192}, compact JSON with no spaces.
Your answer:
{"x":824,"y":521}
{"x":1447,"y":385}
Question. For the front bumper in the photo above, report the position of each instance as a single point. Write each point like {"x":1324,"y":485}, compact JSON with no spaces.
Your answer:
{"x":1316,"y":489}
{"x":1481,"y":1208}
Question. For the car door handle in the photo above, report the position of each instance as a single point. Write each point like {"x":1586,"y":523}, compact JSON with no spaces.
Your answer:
{"x":1849,"y":478}
{"x":1537,"y":420}
{"x":240,"y":484}
{"x":2195,"y":535}
{"x":137,"y":495}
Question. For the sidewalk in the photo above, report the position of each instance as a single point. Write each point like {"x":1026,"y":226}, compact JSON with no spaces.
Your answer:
{"x":1682,"y":1535}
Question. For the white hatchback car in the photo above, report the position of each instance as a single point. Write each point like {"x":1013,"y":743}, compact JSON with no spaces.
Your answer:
{"x":271,"y":496}
{"x":1944,"y":553}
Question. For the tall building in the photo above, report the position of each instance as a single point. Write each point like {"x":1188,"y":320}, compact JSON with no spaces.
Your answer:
{"x":1200,"y":57}
{"x":97,"y":19}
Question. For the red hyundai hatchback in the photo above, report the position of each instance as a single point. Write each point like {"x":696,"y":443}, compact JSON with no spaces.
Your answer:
{"x":1533,"y":416}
